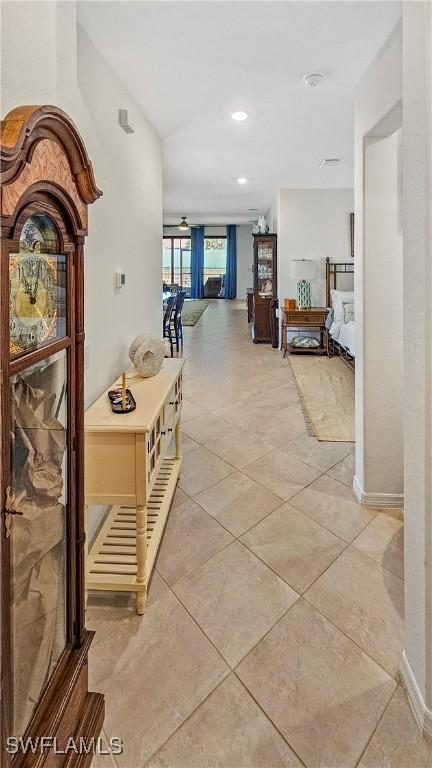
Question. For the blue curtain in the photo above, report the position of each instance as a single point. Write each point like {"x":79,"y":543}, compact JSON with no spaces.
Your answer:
{"x":231,"y":265}
{"x":197,"y":262}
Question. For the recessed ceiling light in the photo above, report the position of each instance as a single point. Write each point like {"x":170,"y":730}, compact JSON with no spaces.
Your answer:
{"x":239,"y":116}
{"x":242,"y":180}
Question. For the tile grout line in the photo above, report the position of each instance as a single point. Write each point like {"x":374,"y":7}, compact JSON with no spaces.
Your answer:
{"x":249,"y":693}
{"x":291,"y":501}
{"x":366,"y":653}
{"x":318,"y":469}
{"x":237,"y":538}
{"x":188,"y":717}
{"x":377,"y":562}
{"x":397,"y":683}
{"x":233,"y":670}
{"x":197,"y":567}
{"x":191,"y":496}
{"x":284,"y":579}
{"x":377,"y":724}
{"x":348,"y":544}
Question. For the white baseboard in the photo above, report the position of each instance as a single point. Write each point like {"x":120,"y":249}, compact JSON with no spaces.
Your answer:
{"x":422,"y":713}
{"x":377,"y":499}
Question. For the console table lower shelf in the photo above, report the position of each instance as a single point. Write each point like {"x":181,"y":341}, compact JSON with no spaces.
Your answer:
{"x":114,"y":559}
{"x":132,"y":464}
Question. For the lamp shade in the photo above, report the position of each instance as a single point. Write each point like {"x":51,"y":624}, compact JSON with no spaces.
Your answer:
{"x":303,"y":269}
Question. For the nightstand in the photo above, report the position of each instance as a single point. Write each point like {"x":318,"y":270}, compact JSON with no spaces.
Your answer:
{"x":305,"y":320}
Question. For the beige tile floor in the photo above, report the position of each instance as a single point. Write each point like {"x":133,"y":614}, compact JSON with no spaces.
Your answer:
{"x":275,"y":613}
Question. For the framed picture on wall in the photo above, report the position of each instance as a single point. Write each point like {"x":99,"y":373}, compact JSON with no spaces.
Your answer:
{"x":352,"y":234}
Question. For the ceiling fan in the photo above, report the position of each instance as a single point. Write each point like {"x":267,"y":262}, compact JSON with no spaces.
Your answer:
{"x":184,"y":226}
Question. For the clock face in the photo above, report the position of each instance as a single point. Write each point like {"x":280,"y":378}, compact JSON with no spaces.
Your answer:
{"x":37,"y":288}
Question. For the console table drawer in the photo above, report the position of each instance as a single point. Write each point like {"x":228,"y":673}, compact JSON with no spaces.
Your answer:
{"x":110,"y":476}
{"x":173,"y":401}
{"x":304,"y":318}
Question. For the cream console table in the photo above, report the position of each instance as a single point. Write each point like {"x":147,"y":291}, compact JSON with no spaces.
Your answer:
{"x":128,"y":467}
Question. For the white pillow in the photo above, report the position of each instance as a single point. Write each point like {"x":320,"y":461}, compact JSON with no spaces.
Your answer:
{"x":338,"y":299}
{"x":348,"y":313}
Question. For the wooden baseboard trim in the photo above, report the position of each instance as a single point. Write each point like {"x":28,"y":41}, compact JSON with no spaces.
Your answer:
{"x":89,"y":730}
{"x":422,"y":713}
{"x":390,"y":500}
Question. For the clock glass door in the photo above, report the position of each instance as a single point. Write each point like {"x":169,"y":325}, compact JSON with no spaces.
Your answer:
{"x":37,"y":287}
{"x":38,"y":494}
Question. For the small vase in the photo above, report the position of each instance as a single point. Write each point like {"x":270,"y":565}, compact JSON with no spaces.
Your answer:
{"x":304,"y":294}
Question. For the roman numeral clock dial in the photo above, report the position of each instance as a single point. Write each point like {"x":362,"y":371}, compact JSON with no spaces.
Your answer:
{"x":36,"y":288}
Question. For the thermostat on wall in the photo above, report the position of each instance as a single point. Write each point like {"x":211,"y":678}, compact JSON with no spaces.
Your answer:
{"x":119,"y":279}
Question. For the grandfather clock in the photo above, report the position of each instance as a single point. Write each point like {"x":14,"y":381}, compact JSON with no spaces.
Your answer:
{"x":265,"y":288}
{"x":47,"y":183}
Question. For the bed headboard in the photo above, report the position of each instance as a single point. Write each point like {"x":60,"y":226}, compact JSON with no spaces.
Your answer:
{"x":333,"y":271}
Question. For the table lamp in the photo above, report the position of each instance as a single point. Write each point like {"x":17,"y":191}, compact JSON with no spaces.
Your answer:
{"x":303,"y":270}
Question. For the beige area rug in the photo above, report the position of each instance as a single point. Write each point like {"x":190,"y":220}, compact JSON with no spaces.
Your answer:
{"x":326,"y":387}
{"x":192,"y":310}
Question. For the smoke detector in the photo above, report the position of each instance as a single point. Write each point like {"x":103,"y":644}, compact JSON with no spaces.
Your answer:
{"x":313,"y":79}
{"x":330,"y":161}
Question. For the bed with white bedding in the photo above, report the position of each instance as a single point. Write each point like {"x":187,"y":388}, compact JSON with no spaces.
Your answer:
{"x":344,"y":335}
{"x":341,"y":305}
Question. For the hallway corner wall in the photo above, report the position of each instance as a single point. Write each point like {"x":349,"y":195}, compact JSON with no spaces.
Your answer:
{"x":417,"y":221}
{"x":379,"y":472}
{"x":383,"y":317}
{"x":244,"y":260}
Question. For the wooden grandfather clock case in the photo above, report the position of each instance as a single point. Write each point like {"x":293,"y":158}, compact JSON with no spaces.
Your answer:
{"x":47,"y":183}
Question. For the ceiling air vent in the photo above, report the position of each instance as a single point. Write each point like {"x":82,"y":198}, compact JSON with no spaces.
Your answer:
{"x":330,"y":161}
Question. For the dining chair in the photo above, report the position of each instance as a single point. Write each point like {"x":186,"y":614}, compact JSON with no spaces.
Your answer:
{"x":168,"y":321}
{"x":177,"y":318}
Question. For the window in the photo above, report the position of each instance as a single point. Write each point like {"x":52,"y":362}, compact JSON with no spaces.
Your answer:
{"x":215,"y":258}
{"x":176,"y":262}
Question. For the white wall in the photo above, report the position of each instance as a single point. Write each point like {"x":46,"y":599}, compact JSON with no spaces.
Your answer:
{"x":377,"y":113}
{"x":125,"y":225}
{"x":244,"y":260}
{"x":273,"y":216}
{"x":312,"y":224}
{"x":417,"y":222}
{"x":55,"y":63}
{"x":383,"y":317}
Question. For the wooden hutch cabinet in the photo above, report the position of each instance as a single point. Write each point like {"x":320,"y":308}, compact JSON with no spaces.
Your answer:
{"x":265,"y":289}
{"x":47,"y":183}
